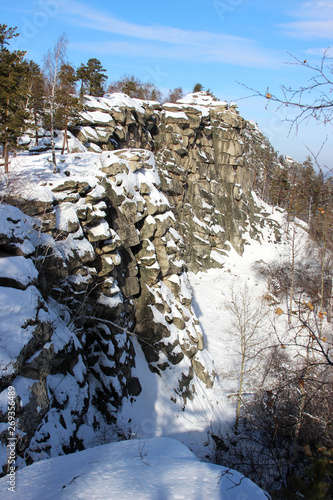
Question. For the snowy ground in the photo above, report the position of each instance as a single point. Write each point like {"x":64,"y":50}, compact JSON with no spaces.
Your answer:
{"x":156,"y":413}
{"x":153,"y":413}
{"x":155,"y":469}
{"x":237,"y":277}
{"x":153,"y":466}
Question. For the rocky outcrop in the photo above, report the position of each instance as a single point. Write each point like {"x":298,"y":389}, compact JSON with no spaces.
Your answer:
{"x":117,"y":121}
{"x":199,"y":145}
{"x":94,"y":259}
{"x":100,"y":262}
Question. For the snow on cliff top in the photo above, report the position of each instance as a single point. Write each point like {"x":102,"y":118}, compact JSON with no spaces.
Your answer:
{"x":141,"y":469}
{"x":116,"y":100}
{"x":201,"y":99}
{"x":119,"y":99}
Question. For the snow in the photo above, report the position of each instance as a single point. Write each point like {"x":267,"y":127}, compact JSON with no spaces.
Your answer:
{"x":102,"y":229}
{"x":73,"y":244}
{"x":89,"y":132}
{"x":111,"y":302}
{"x":18,"y":269}
{"x":119,"y":99}
{"x":217,"y":229}
{"x":158,"y":410}
{"x":65,"y":214}
{"x":176,"y":235}
{"x":212,"y":290}
{"x":93,"y":147}
{"x":176,"y":115}
{"x":17,"y":307}
{"x":97,"y":117}
{"x":165,"y":216}
{"x":23,"y":388}
{"x":14,"y":224}
{"x":201,"y":99}
{"x":148,"y":469}
{"x":94,"y":102}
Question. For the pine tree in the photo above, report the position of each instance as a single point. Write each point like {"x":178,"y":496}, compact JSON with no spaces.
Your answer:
{"x":279,"y":187}
{"x":132,"y":88}
{"x":198,"y":87}
{"x":68,"y":104}
{"x":35,"y":92}
{"x":92,"y":78}
{"x":310,"y":187}
{"x":13,"y":73}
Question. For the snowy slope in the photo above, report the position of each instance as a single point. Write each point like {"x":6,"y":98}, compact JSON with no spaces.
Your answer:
{"x":144,"y":468}
{"x":238,"y":276}
{"x":155,"y":469}
{"x":156,"y":412}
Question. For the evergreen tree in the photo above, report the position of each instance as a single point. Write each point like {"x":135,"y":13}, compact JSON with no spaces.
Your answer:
{"x":13,"y":73}
{"x":92,"y":78}
{"x":209,"y":92}
{"x":198,"y":87}
{"x":68,"y":104}
{"x":308,"y":189}
{"x":35,"y":91}
{"x":279,"y":187}
{"x":6,"y":34}
{"x":132,"y":88}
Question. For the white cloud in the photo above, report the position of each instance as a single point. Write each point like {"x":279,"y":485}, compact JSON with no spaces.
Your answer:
{"x":167,"y":42}
{"x":320,"y":51}
{"x":236,"y":54}
{"x":313,"y":20}
{"x":318,"y":8}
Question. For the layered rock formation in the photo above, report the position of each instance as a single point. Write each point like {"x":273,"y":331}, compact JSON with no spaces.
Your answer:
{"x":199,"y":148}
{"x":94,"y":259}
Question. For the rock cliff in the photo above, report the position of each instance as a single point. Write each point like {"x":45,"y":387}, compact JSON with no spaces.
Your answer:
{"x":94,"y":261}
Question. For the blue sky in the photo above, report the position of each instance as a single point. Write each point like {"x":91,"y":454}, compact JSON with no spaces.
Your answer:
{"x":179,"y":43}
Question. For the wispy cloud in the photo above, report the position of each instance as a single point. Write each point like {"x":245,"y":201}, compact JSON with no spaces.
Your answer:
{"x":237,"y":54}
{"x":314,"y":20}
{"x":167,"y":42}
{"x":320,"y":51}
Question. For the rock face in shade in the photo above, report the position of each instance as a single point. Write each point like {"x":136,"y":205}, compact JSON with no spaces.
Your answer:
{"x":102,"y":257}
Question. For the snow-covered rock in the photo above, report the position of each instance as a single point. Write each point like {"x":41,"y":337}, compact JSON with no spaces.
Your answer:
{"x":142,"y":469}
{"x":94,"y":264}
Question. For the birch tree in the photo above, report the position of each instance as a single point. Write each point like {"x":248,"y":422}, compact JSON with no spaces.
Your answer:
{"x":247,"y":318}
{"x":53,"y":62}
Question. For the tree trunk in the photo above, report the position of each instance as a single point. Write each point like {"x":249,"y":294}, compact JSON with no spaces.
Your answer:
{"x":300,"y":411}
{"x":240,"y":390}
{"x":65,"y":141}
{"x":6,"y":156}
{"x":330,"y":309}
{"x":310,"y":209}
{"x":36,"y":134}
{"x":54,"y":162}
{"x":292,"y":275}
{"x":322,"y":283}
